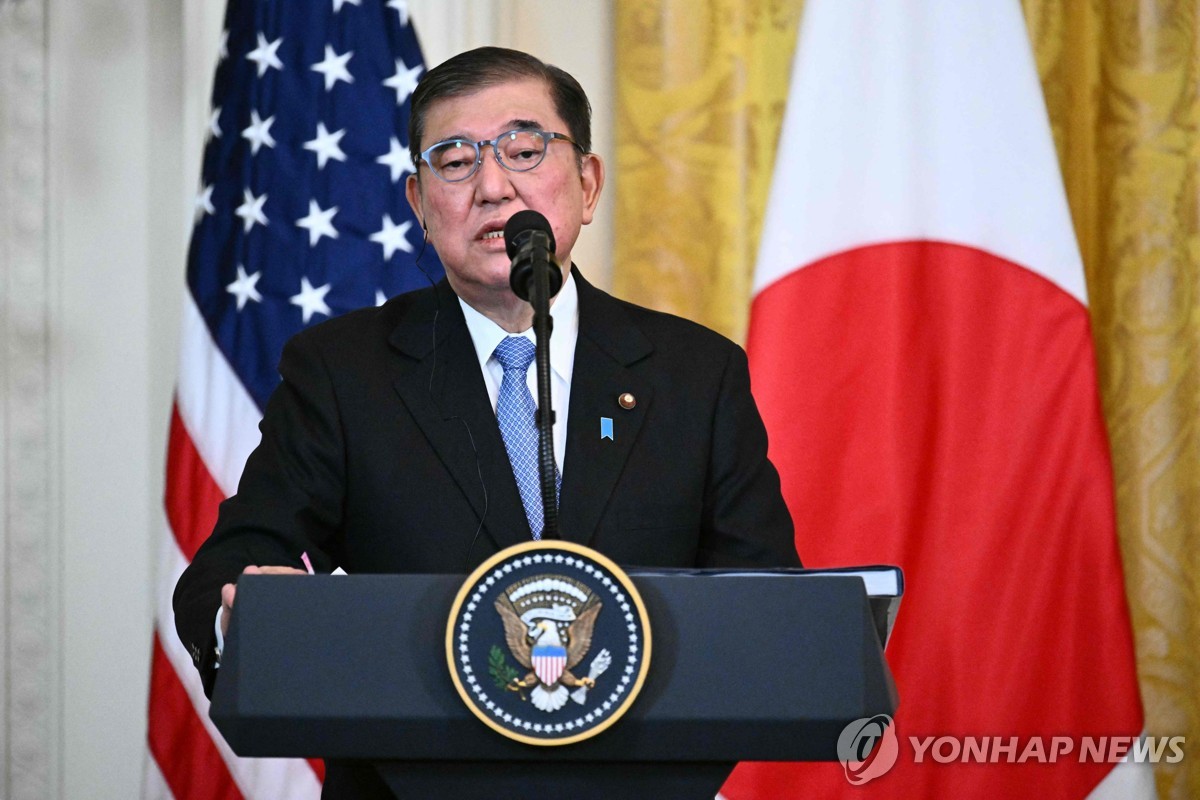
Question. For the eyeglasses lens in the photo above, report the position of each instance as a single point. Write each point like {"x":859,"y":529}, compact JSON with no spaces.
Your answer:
{"x":518,"y":151}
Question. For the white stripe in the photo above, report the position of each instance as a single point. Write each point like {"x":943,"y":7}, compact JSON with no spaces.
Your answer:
{"x":1127,"y":780}
{"x":154,"y":785}
{"x":215,"y":407}
{"x":256,"y":778}
{"x":917,"y":120}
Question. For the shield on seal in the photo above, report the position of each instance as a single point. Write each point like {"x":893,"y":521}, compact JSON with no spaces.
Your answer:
{"x":549,"y":661}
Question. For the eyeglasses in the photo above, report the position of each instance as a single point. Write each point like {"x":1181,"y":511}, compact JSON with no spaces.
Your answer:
{"x":520,"y":150}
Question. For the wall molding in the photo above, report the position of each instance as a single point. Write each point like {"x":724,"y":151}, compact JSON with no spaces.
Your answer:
{"x":30,"y":696}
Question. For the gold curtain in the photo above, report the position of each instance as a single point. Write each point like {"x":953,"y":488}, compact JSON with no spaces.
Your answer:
{"x":701,"y":86}
{"x":1121,"y":85}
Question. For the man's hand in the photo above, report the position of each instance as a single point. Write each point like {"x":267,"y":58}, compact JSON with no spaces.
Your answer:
{"x":229,"y":590}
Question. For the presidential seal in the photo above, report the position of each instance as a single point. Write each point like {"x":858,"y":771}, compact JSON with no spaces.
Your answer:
{"x":548,"y":642}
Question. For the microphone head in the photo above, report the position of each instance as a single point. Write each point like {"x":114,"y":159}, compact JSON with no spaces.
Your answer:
{"x":520,"y":225}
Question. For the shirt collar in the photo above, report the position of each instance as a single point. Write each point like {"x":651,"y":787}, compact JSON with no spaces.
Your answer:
{"x":486,"y":334}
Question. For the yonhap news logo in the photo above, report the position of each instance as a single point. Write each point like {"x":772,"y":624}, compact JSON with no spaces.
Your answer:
{"x":870,"y":747}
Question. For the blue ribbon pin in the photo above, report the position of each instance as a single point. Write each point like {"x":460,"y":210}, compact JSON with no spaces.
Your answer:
{"x":606,"y":429}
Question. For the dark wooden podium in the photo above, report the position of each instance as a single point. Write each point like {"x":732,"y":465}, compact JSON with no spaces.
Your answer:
{"x":761,"y":667}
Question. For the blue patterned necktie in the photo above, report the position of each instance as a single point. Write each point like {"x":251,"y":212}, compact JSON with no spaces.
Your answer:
{"x":517,"y":415}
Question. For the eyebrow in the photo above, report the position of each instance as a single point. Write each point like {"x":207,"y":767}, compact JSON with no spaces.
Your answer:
{"x":511,"y":125}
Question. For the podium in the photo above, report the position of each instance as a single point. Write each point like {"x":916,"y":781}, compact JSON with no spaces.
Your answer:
{"x":746,"y":666}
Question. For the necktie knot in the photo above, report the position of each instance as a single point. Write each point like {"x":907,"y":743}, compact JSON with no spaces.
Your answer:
{"x":515,"y":353}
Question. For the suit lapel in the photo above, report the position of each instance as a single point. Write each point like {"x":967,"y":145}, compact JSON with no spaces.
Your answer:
{"x":446,"y":396}
{"x":608,"y":345}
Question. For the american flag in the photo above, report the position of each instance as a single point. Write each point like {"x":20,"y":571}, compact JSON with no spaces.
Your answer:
{"x":300,"y":216}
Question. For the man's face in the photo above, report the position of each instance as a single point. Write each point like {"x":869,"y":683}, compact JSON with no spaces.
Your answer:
{"x":462,"y":219}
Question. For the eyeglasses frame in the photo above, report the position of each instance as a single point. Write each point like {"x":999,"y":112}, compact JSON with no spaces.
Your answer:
{"x":549,"y":136}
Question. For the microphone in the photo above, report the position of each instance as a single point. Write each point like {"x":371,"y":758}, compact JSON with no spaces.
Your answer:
{"x":529,"y":241}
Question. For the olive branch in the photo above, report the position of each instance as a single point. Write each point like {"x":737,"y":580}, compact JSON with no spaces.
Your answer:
{"x":503,"y":675}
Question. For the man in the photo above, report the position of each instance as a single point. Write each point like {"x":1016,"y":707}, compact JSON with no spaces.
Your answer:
{"x":381,"y":450}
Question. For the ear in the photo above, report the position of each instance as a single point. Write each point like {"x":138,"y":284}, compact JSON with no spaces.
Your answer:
{"x":412,"y":191}
{"x":592,"y":178}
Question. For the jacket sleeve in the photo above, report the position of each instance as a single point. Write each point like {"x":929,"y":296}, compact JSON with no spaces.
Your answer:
{"x":746,"y":522}
{"x":288,"y":502}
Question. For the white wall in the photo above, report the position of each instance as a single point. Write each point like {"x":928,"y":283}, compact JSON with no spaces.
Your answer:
{"x":116,"y":257}
{"x":103,"y":104}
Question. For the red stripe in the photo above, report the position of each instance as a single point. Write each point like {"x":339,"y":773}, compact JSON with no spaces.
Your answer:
{"x":192,"y":500}
{"x":186,"y":755}
{"x":192,"y":496}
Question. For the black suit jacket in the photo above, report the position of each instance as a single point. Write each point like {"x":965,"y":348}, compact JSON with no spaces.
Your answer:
{"x":381,"y":452}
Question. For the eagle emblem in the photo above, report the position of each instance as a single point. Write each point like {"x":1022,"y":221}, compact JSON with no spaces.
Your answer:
{"x":548,"y":624}
{"x":548,"y":643}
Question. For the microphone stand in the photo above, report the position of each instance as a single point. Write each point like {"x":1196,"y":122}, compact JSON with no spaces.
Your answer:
{"x":543,"y":325}
{"x":529,"y":241}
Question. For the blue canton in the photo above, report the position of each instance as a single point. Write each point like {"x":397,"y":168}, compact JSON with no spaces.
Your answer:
{"x":301,"y":212}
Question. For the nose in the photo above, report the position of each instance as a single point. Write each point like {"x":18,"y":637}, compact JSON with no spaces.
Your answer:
{"x":493,"y":182}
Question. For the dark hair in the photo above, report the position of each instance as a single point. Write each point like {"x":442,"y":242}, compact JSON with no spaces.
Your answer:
{"x":489,"y":66}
